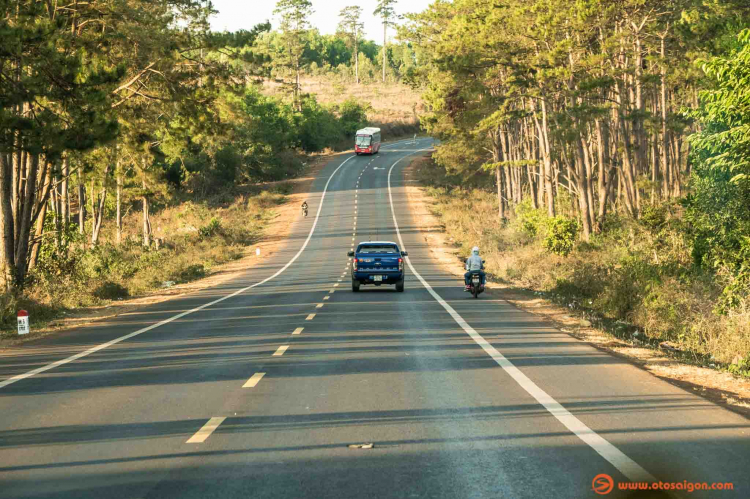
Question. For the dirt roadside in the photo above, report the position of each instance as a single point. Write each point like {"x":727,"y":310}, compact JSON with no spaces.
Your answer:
{"x":722,"y":388}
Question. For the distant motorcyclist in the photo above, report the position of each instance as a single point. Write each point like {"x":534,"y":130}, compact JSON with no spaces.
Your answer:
{"x":304,"y":208}
{"x":474,"y":264}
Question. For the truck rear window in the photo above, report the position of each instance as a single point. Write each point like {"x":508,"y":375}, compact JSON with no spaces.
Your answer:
{"x":378,"y":249}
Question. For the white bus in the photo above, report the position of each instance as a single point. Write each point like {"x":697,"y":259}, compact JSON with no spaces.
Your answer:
{"x":367,"y":141}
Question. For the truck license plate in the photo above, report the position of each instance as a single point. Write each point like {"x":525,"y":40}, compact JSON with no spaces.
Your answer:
{"x":377,"y":278}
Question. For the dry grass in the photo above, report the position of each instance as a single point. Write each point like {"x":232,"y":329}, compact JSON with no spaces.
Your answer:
{"x":392,"y":104}
{"x":195,"y":237}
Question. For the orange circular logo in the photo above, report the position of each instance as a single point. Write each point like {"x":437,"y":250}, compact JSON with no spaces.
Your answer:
{"x":602,"y":484}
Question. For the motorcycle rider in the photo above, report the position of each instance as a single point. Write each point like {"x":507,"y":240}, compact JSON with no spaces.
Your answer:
{"x":304,"y":207}
{"x":474,"y":263}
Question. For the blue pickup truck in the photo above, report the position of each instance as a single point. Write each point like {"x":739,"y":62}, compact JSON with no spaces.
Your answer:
{"x":378,"y":263}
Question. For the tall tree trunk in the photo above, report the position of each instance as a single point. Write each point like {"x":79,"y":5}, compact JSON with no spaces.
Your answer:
{"x":500,"y":203}
{"x":7,"y":258}
{"x":38,"y":233}
{"x":64,"y":191}
{"x":605,"y":174}
{"x":665,"y":167}
{"x":98,"y":214}
{"x":118,"y":221}
{"x":385,"y":40}
{"x":542,"y":129}
{"x":582,"y":188}
{"x":497,"y":157}
{"x":356,"y":57}
{"x":24,"y":223}
{"x":146,"y":219}
{"x":81,"y":204}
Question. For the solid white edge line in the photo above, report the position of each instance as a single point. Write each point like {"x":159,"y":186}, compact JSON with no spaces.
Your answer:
{"x":206,"y":431}
{"x":632,"y":470}
{"x":95,"y":349}
{"x":254,"y":380}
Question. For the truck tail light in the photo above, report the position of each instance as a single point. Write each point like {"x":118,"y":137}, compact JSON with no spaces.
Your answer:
{"x":400,"y":264}
{"x":354,"y":264}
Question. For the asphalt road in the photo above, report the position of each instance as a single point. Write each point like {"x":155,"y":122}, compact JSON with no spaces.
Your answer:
{"x":461,"y":397}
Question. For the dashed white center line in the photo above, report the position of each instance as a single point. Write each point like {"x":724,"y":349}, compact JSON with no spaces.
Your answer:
{"x":280,"y":351}
{"x":254,"y":380}
{"x":208,"y":428}
{"x":298,"y":330}
{"x":319,"y":305}
{"x":337,"y":284}
{"x":310,"y":317}
{"x":325,"y":298}
{"x":331,"y":291}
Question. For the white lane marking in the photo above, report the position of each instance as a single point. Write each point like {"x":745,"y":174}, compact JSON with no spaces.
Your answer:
{"x":632,"y":470}
{"x":325,"y":298}
{"x":319,"y":305}
{"x":331,"y":291}
{"x":208,"y":428}
{"x":337,"y":284}
{"x":254,"y":380}
{"x":95,"y":349}
{"x":280,"y":351}
{"x":298,"y":330}
{"x":310,"y":317}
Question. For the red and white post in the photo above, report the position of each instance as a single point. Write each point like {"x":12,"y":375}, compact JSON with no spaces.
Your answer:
{"x":23,"y":322}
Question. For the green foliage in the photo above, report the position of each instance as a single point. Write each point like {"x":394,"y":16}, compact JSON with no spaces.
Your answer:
{"x":531,"y":221}
{"x":653,"y":217}
{"x":212,"y":228}
{"x":352,"y":116}
{"x":562,"y":233}
{"x":718,"y":207}
{"x":725,"y":110}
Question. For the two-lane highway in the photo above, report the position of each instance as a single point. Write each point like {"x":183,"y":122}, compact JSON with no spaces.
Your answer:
{"x":258,"y":387}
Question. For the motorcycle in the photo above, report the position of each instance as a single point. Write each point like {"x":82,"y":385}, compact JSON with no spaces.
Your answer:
{"x":304,"y":211}
{"x":476,"y":287}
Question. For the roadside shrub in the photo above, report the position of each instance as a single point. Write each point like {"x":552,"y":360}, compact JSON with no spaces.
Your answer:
{"x":561,"y":235}
{"x":109,"y":290}
{"x":190,"y":273}
{"x":530,"y":220}
{"x":654,"y":217}
{"x":352,"y":116}
{"x":211,"y":229}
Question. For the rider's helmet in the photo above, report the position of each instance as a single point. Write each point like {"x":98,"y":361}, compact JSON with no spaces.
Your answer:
{"x":475,"y":250}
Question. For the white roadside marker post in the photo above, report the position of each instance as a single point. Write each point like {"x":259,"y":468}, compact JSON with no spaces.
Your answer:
{"x":23,"y":322}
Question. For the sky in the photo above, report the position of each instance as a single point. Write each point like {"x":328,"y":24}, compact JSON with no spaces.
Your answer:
{"x":244,"y":14}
